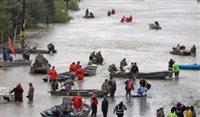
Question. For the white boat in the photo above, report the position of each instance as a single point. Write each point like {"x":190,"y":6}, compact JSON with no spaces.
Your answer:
{"x":5,"y":96}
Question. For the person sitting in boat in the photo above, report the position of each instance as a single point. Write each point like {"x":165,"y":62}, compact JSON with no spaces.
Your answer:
{"x":51,"y":48}
{"x":99,"y":58}
{"x":157,"y":25}
{"x":113,"y":11}
{"x":142,"y":91}
{"x":92,"y":55}
{"x":77,"y":103}
{"x":193,"y":50}
{"x":108,"y":13}
{"x":129,"y":19}
{"x":91,"y":15}
{"x":178,"y":48}
{"x":123,"y":63}
{"x":26,"y":55}
{"x":122,"y":19}
{"x":80,"y":73}
{"x":86,"y":12}
{"x":112,"y":69}
{"x":18,"y":92}
{"x":72,"y":67}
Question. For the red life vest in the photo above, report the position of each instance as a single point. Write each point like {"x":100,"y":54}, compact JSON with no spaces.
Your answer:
{"x":52,"y":74}
{"x":80,"y":74}
{"x":129,"y":85}
{"x":77,"y":102}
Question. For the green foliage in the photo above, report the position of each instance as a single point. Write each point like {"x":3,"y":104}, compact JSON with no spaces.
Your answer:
{"x":73,"y":5}
{"x":61,"y":14}
{"x":5,"y":26}
{"x":37,"y":11}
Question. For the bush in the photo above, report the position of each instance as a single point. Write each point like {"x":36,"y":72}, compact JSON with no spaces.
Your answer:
{"x":73,"y":5}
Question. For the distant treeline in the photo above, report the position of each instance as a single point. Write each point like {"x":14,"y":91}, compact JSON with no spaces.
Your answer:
{"x":36,"y":11}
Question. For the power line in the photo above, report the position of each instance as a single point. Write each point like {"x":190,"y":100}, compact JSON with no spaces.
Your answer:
{"x":9,"y":7}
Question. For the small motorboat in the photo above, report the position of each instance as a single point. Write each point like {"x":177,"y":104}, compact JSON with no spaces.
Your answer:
{"x":34,"y":50}
{"x":150,"y":75}
{"x":184,"y":53}
{"x":189,"y":66}
{"x":65,"y":110}
{"x":83,"y":92}
{"x":154,"y":27}
{"x":15,"y":63}
{"x":39,"y":70}
{"x":5,"y":95}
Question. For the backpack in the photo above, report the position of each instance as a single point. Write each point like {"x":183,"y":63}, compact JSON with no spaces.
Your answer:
{"x":129,"y":85}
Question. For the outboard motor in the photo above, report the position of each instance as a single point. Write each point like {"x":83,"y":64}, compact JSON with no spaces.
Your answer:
{"x":51,"y":48}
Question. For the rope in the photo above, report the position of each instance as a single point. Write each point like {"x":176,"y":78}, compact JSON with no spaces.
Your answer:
{"x":9,"y":7}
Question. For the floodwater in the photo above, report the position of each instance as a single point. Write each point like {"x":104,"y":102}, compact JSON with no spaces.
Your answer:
{"x":180,"y":22}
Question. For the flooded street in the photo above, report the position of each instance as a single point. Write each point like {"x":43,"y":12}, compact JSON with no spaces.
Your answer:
{"x":180,"y":22}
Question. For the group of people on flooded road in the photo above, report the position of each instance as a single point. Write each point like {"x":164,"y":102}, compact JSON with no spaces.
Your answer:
{"x":78,"y":103}
{"x":18,"y":92}
{"x":178,"y":110}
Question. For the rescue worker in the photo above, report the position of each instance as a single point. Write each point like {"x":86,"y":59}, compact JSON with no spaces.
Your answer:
{"x":193,"y":111}
{"x":26,"y":55}
{"x":128,"y":87}
{"x":188,"y":112}
{"x":123,"y":19}
{"x":123,"y":63}
{"x":119,"y":109}
{"x":77,"y":65}
{"x":112,"y":11}
{"x":193,"y":50}
{"x":105,"y":87}
{"x":94,"y":103}
{"x":86,"y":12}
{"x":99,"y":58}
{"x":134,"y":71}
{"x":80,"y":73}
{"x":72,"y":67}
{"x":77,"y":103}
{"x":176,"y":70}
{"x":104,"y":106}
{"x":30,"y":92}
{"x":172,"y":113}
{"x":108,"y":13}
{"x":18,"y":92}
{"x":160,"y":113}
{"x":113,"y":87}
{"x":53,"y":76}
{"x":68,"y":86}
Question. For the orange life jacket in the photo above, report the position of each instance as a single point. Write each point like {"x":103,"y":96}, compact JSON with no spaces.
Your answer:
{"x":80,"y":74}
{"x":52,"y":74}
